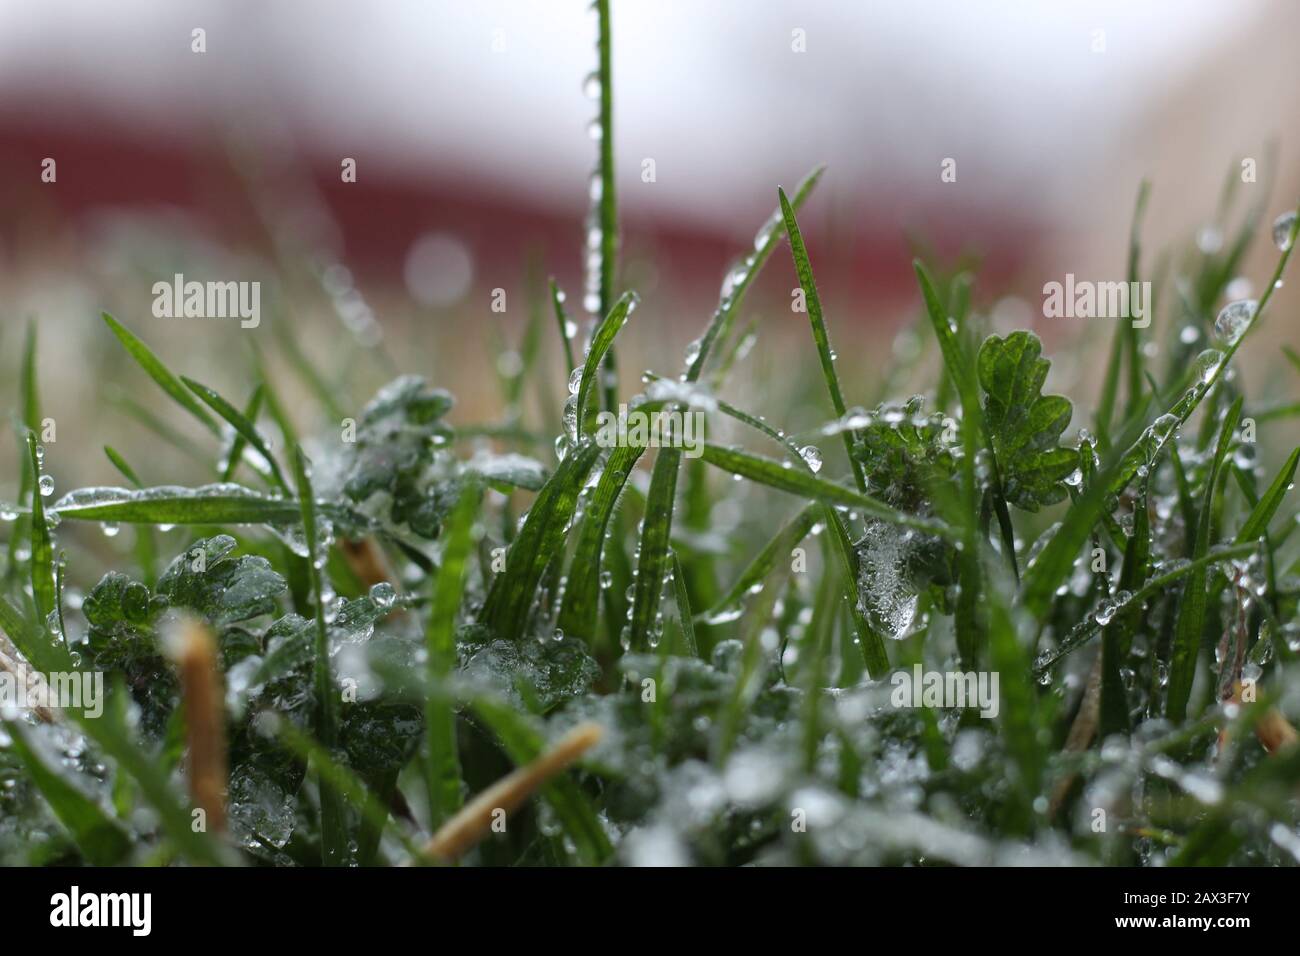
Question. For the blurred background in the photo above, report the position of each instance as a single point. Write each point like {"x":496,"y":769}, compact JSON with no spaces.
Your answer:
{"x":468,"y":124}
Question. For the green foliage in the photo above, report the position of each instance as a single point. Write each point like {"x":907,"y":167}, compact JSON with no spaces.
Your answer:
{"x":1024,"y":425}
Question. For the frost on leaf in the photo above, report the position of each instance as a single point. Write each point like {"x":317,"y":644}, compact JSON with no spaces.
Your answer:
{"x":396,"y":455}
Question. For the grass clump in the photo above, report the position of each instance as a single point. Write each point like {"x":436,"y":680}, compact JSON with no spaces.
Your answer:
{"x":414,"y":672}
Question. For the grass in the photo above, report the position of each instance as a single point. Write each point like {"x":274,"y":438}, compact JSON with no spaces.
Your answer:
{"x":436,"y":657}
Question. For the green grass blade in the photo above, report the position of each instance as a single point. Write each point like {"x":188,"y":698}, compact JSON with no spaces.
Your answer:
{"x":784,"y":477}
{"x":1257,"y":522}
{"x":208,"y":505}
{"x":1191,"y":610}
{"x":656,"y":529}
{"x":602,"y":340}
{"x":121,"y":465}
{"x":510,"y":598}
{"x":97,"y":835}
{"x":160,"y":374}
{"x":444,"y":774}
{"x":241,"y":425}
{"x":572,"y":807}
{"x":333,"y":822}
{"x":566,"y":326}
{"x":684,"y":615}
{"x":803,"y":268}
{"x":1117,"y":637}
{"x":235,"y":453}
{"x":740,"y":281}
{"x":581,"y":608}
{"x":732,"y":604}
{"x":42,"y":548}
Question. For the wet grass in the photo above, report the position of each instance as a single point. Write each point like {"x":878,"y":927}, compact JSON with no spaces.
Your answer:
{"x":439,"y":646}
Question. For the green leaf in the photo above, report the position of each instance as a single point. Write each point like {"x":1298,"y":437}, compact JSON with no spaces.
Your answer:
{"x":1024,"y":425}
{"x":1191,"y":610}
{"x":206,"y":505}
{"x":400,"y":436}
{"x":160,"y":374}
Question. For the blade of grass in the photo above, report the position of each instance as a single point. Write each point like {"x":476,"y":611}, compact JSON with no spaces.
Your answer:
{"x":443,"y":758}
{"x":510,"y":597}
{"x":527,"y":749}
{"x":241,"y":425}
{"x":579,"y":613}
{"x":235,"y":453}
{"x":333,"y":822}
{"x":784,"y":477}
{"x":42,"y":549}
{"x":1191,"y":610}
{"x":160,"y":374}
{"x":99,"y":837}
{"x":803,"y":268}
{"x":602,"y":341}
{"x":565,"y":324}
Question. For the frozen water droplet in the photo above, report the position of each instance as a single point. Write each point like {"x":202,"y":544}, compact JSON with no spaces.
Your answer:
{"x":888,"y":596}
{"x":1209,"y":240}
{"x":693,"y":351}
{"x":1105,"y":611}
{"x":1282,"y":227}
{"x":384,"y":595}
{"x":1207,"y":365}
{"x":813,"y":456}
{"x":1234,"y":320}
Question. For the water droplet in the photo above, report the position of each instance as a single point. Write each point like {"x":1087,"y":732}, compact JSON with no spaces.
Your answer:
{"x":1105,"y":611}
{"x":1282,"y":227}
{"x":46,"y":485}
{"x":575,"y":380}
{"x":813,"y":456}
{"x":1207,"y":365}
{"x":110,"y":529}
{"x":1234,"y":320}
{"x":595,"y":130}
{"x":693,"y":351}
{"x":384,"y":595}
{"x":591,"y":85}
